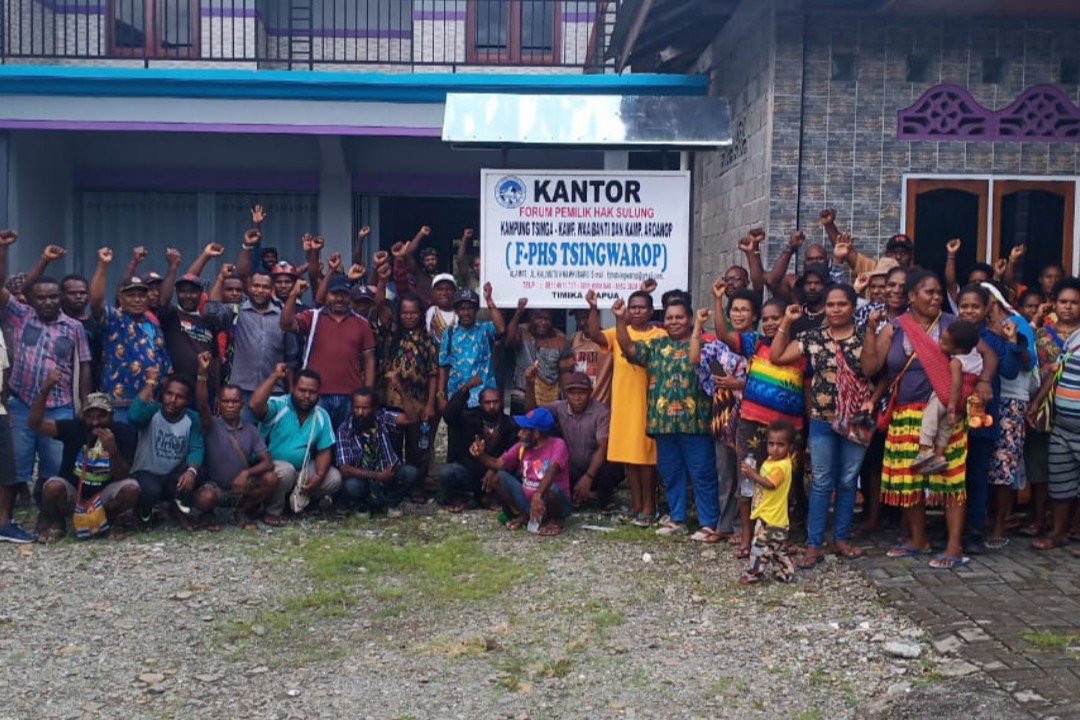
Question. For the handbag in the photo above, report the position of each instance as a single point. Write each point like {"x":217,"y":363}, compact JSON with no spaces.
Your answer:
{"x":89,"y":518}
{"x":852,"y":392}
{"x":1044,"y":415}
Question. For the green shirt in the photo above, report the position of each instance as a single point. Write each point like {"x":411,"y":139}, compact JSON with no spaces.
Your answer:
{"x":676,"y":402}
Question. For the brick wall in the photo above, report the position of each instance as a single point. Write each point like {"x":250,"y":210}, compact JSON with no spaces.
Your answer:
{"x":851,"y":159}
{"x":731,"y":192}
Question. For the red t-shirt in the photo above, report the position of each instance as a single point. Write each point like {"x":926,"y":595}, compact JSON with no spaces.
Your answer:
{"x":337,"y":349}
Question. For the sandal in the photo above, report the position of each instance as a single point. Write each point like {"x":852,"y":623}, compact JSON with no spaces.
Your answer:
{"x":949,"y":562}
{"x":516,"y":523}
{"x":50,"y":535}
{"x":707,"y":536}
{"x":457,"y":507}
{"x":273,"y":520}
{"x":1048,"y":543}
{"x":743,"y":552}
{"x":903,"y":550}
{"x":810,"y":560}
{"x":1031,"y":530}
{"x":849,"y":551}
{"x":643,"y":520}
{"x":671,"y":529}
{"x":549,"y":530}
{"x":996,"y":543}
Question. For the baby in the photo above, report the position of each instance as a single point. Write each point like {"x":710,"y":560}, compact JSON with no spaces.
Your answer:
{"x":958,"y":342}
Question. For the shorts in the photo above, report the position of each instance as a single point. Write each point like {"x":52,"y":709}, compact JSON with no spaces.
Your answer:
{"x":8,"y":476}
{"x":1064,"y":460}
{"x":108,"y":494}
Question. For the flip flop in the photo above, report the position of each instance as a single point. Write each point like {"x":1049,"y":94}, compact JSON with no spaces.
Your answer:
{"x":1031,"y":530}
{"x":996,"y":543}
{"x":742,"y":552}
{"x":1048,"y":543}
{"x":706,"y":535}
{"x":273,"y":520}
{"x":549,"y":530}
{"x":810,"y":560}
{"x":903,"y":550}
{"x":949,"y":562}
{"x":850,"y":552}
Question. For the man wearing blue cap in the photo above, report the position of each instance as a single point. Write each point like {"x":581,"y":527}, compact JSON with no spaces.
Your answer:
{"x":532,"y":478}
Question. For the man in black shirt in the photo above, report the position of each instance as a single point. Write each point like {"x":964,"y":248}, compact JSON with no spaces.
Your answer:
{"x":188,"y":332}
{"x":97,"y":450}
{"x":461,"y":478}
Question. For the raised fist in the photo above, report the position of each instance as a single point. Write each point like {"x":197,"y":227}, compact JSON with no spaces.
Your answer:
{"x":53,"y":252}
{"x":953,"y":246}
{"x":105,"y":255}
{"x":251,"y":238}
{"x":828,"y":217}
{"x":213,"y":250}
{"x":8,"y":237}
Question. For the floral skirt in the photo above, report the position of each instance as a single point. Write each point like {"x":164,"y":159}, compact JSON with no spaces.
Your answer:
{"x":1007,"y":464}
{"x":903,"y":488}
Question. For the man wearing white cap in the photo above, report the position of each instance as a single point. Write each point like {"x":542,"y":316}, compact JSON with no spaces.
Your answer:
{"x":441,"y":314}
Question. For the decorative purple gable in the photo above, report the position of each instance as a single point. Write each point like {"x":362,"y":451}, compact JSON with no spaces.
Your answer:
{"x":949,"y":112}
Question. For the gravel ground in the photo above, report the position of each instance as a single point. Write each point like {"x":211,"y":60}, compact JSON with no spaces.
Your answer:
{"x":437,"y":616}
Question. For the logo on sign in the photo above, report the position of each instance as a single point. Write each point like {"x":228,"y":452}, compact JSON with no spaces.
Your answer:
{"x":510,"y":192}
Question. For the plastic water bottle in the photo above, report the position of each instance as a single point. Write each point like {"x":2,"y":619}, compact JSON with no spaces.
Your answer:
{"x":425,"y":429}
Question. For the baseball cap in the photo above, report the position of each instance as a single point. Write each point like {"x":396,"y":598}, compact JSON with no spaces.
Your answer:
{"x":362,"y":292}
{"x":539,"y":419}
{"x":900,"y":241}
{"x":97,"y":401}
{"x":284,"y":267}
{"x":467,"y":295}
{"x":428,"y":252}
{"x":134,"y":283}
{"x":153,"y":278}
{"x":577,"y":380}
{"x":338,"y":283}
{"x":818,"y":269}
{"x":884,"y":266}
{"x":189,"y":279}
{"x":443,"y":277}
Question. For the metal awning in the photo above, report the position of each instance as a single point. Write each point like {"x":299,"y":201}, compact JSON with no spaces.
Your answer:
{"x":601,"y":121}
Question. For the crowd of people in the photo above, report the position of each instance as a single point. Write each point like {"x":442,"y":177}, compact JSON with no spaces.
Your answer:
{"x":274,"y":388}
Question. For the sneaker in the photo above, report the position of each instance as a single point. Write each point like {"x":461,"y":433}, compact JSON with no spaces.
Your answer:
{"x":394,"y":512}
{"x":12,"y":533}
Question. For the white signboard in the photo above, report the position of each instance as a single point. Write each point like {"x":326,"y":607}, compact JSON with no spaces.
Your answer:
{"x":551,"y":235}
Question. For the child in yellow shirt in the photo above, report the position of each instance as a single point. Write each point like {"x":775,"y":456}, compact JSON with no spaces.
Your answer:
{"x":770,"y":507}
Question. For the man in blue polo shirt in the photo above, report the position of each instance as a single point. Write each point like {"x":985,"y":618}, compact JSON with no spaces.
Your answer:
{"x":300,"y":438}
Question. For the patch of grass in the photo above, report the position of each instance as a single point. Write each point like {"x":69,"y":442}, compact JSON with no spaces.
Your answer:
{"x":811,"y":714}
{"x":521,"y":673}
{"x":1049,"y":640}
{"x":819,"y":677}
{"x":461,"y":647}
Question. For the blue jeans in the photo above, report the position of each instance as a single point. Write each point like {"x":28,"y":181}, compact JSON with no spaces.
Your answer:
{"x":365,"y":494}
{"x":980,"y":453}
{"x":682,"y":454}
{"x":338,"y":406}
{"x":29,"y":446}
{"x":836,"y":462}
{"x":518,"y":504}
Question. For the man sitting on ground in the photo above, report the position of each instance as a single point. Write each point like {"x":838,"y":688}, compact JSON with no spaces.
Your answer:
{"x":300,"y":438}
{"x":373,"y":477}
{"x":95,"y":449}
{"x":170,"y":448}
{"x":461,"y":479}
{"x":533,"y":480}
{"x":238,"y":464}
{"x":584,"y":425}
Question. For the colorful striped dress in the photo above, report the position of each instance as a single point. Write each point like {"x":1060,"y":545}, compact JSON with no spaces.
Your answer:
{"x":899,"y":485}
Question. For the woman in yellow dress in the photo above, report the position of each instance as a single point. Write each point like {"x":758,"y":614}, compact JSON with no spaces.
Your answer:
{"x":627,"y":443}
